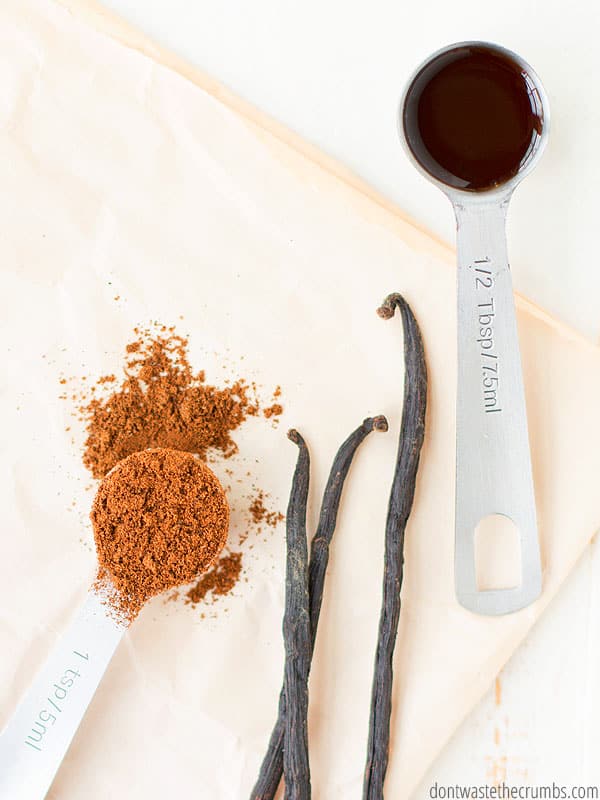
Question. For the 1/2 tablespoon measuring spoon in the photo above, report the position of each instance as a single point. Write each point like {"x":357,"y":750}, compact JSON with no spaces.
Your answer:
{"x":474,"y":120}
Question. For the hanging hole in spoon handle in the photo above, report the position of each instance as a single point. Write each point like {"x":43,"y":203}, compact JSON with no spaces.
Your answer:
{"x":474,"y":120}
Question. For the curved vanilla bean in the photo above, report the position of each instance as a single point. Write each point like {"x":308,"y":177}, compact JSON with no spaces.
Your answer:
{"x":272,"y":766}
{"x":319,"y":548}
{"x":400,"y":504}
{"x":296,"y":633}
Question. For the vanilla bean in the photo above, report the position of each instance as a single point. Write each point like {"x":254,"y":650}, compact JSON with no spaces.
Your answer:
{"x":296,"y":633}
{"x":400,"y":504}
{"x":319,"y":548}
{"x":272,"y":766}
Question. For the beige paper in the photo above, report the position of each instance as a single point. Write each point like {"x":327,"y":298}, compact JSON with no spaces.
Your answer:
{"x":121,"y":178}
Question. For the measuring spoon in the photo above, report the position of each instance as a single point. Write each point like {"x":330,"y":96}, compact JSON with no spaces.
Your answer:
{"x":474,"y":120}
{"x":38,"y":735}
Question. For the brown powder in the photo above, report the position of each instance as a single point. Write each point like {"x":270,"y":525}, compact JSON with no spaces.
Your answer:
{"x":160,"y":519}
{"x":273,"y":411}
{"x":260,"y":513}
{"x":162,"y":402}
{"x":219,"y":580}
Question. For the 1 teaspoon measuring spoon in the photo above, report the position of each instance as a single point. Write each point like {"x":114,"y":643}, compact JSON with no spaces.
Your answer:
{"x":38,"y":735}
{"x":474,"y":120}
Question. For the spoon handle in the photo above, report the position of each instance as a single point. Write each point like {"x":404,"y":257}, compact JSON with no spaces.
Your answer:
{"x":38,"y":735}
{"x":493,"y":462}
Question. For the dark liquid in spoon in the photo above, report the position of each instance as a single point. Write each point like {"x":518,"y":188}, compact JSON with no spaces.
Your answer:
{"x":472,"y":117}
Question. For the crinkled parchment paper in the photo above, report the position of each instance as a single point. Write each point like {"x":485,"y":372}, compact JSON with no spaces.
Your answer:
{"x":127,"y":174}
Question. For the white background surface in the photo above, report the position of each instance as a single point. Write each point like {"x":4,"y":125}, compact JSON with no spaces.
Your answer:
{"x":333,"y":71}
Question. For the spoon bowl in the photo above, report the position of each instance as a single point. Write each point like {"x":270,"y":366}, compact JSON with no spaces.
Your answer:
{"x":408,"y":112}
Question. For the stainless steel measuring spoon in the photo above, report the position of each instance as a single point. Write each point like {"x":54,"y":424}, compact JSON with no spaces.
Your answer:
{"x":493,"y":463}
{"x":37,"y":737}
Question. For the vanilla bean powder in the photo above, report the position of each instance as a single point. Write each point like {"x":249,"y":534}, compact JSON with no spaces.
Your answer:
{"x":160,"y":519}
{"x":161,"y":402}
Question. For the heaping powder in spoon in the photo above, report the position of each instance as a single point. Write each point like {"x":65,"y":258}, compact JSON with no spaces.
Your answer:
{"x":160,"y":519}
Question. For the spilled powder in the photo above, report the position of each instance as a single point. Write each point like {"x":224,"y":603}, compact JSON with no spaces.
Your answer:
{"x":219,"y":580}
{"x":162,"y":402}
{"x":273,"y":411}
{"x":260,"y":513}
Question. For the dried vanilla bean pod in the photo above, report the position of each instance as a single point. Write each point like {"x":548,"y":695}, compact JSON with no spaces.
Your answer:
{"x":319,"y":548}
{"x":272,"y":766}
{"x":400,"y":504}
{"x":296,"y":633}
